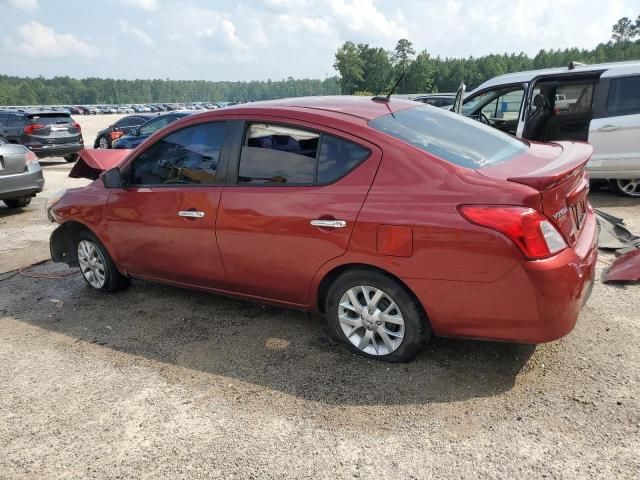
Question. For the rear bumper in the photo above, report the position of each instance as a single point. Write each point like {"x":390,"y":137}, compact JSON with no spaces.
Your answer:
{"x":54,"y":150}
{"x":535,"y":302}
{"x":21,"y":184}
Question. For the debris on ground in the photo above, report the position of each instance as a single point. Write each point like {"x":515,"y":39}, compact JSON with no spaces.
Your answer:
{"x":626,"y":268}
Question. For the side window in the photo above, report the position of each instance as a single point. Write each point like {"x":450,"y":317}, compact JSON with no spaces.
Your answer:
{"x":154,"y":125}
{"x":124,"y":122}
{"x":337,"y":158}
{"x":278,"y":154}
{"x":3,"y":119}
{"x":573,"y":98}
{"x":188,"y":156}
{"x":624,"y":96}
{"x":16,"y":121}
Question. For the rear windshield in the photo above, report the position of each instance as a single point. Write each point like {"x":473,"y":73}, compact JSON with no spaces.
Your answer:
{"x":50,"y":118}
{"x":450,"y":136}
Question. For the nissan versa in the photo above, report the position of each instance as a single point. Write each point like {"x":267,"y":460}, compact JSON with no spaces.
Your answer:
{"x":397,"y":221}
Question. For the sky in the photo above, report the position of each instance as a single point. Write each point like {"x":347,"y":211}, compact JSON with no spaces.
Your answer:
{"x":275,"y":39}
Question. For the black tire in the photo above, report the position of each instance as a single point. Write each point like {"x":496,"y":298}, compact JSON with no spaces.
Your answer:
{"x":99,"y":141}
{"x":71,"y":158}
{"x":417,"y":330}
{"x":113,"y":279}
{"x":632,"y":187}
{"x":19,"y":202}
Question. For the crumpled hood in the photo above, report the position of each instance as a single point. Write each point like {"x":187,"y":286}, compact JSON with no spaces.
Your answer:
{"x":93,"y":162}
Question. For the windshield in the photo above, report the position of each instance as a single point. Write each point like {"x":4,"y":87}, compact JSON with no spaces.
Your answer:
{"x":449,"y":136}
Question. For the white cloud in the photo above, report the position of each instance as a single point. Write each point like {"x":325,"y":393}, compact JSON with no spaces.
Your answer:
{"x":142,"y":4}
{"x":362,"y":17}
{"x":136,"y":33}
{"x":39,"y":41}
{"x":24,"y":4}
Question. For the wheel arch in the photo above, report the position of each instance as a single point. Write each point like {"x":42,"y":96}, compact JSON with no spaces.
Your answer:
{"x":329,"y":277}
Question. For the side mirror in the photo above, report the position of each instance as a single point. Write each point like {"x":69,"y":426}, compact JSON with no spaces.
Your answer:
{"x":112,"y":178}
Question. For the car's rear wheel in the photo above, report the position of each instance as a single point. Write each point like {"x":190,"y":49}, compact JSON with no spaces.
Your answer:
{"x":103,"y":143}
{"x":626,"y":187}
{"x":96,"y":266}
{"x":19,"y":202}
{"x":376,"y":316}
{"x":71,"y":158}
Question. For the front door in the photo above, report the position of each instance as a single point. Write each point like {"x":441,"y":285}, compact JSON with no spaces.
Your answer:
{"x":161,"y":224}
{"x":292,"y":208}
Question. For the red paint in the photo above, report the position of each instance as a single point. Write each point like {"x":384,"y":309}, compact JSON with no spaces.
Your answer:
{"x":401,"y":206}
{"x":626,"y":268}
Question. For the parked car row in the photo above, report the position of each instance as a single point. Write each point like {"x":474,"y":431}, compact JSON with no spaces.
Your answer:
{"x":129,"y":108}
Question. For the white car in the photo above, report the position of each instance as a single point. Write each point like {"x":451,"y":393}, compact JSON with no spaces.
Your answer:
{"x":599,"y":104}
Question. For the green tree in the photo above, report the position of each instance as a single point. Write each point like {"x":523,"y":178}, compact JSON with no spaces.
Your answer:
{"x":624,"y":30}
{"x":377,"y":69}
{"x":351,"y":67}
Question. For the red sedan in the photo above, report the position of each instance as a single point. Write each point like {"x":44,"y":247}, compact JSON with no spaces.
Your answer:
{"x":395,"y":220}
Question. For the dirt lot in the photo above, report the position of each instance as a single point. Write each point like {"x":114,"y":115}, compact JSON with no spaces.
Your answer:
{"x":159,"y":382}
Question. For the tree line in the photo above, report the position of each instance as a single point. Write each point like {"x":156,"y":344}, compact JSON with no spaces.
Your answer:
{"x":93,"y":91}
{"x":366,"y":69}
{"x":362,"y":68}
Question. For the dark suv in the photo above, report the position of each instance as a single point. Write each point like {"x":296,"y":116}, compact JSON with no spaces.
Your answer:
{"x":45,"y":133}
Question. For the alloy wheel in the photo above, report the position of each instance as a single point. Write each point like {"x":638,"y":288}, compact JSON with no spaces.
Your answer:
{"x":371,"y":320}
{"x":102,"y":143}
{"x":92,"y":263}
{"x":629,"y":187}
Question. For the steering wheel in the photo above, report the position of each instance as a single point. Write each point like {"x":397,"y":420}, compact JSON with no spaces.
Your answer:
{"x":482,"y":118}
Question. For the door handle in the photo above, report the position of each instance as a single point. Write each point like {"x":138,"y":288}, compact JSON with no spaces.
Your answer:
{"x":190,"y":214}
{"x":609,"y":128}
{"x":328,"y":223}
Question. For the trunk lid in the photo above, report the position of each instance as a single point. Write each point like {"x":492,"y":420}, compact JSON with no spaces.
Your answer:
{"x":558,"y":171}
{"x":13,"y":158}
{"x":93,"y":162}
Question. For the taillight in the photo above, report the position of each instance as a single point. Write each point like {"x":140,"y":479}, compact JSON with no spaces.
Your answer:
{"x":529,"y":229}
{"x":29,"y":129}
{"x":31,"y":157}
{"x":76,"y":125}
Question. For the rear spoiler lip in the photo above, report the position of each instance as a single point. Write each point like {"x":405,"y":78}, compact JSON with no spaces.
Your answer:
{"x":92,"y":162}
{"x":569,"y":163}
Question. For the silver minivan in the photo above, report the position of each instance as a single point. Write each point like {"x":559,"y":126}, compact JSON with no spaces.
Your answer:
{"x":599,"y":104}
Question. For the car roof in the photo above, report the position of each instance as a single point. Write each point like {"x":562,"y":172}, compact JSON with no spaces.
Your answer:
{"x":355,"y":106}
{"x":528,"y":75}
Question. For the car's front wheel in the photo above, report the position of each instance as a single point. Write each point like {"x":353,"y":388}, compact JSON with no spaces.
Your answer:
{"x":96,"y":266}
{"x":376,"y":316}
{"x":103,"y":143}
{"x":626,"y":187}
{"x":19,"y":202}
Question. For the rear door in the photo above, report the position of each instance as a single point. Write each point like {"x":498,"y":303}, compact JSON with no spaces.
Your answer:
{"x":615,"y":134}
{"x":13,"y":158}
{"x":293,"y":197}
{"x":161,"y":224}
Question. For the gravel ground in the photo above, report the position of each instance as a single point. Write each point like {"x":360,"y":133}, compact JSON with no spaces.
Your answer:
{"x":160,"y":382}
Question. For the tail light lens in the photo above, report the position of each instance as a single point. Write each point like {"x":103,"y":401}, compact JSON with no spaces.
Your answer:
{"x":529,"y":229}
{"x":29,"y":129}
{"x":31,"y":158}
{"x":76,"y":125}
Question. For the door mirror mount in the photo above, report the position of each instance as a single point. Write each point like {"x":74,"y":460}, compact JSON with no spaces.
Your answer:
{"x":112,"y":178}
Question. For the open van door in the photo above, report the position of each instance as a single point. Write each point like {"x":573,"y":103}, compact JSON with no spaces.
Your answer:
{"x":457,"y":103}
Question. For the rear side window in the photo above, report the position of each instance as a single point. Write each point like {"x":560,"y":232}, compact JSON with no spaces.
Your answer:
{"x":188,"y":156}
{"x":3,"y":119}
{"x":624,"y":96}
{"x":284,"y":155}
{"x":50,"y":119}
{"x":449,"y":136}
{"x":16,"y":121}
{"x":337,"y":158}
